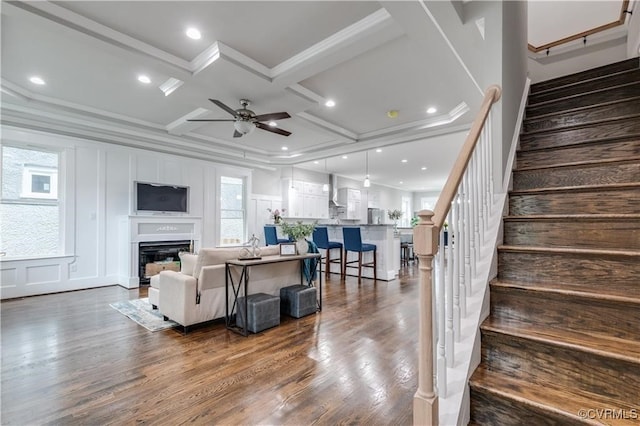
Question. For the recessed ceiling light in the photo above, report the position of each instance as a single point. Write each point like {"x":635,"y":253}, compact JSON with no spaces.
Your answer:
{"x":344,"y":157}
{"x":330,"y":103}
{"x":193,"y":33}
{"x":401,"y":182}
{"x":37,"y":80}
{"x":423,"y":168}
{"x":431,"y":110}
{"x":316,"y":162}
{"x":404,"y":160}
{"x":393,"y":113}
{"x":378,"y":150}
{"x":144,"y":79}
{"x":273,"y":124}
{"x":284,"y":148}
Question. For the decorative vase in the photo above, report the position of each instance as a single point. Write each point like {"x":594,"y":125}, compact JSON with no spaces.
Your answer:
{"x":302,"y":246}
{"x":395,"y":227}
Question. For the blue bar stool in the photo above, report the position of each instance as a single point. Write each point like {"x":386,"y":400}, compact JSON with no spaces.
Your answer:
{"x":321,"y":238}
{"x":271,"y":236}
{"x":353,"y":242}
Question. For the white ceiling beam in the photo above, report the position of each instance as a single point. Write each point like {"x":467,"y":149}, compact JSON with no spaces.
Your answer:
{"x":364,"y":35}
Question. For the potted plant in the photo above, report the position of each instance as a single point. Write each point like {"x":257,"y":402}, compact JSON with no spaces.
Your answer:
{"x":276,"y":215}
{"x":394,"y":215}
{"x":297,"y":232}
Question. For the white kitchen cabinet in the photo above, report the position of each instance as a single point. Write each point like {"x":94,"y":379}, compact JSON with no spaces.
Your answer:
{"x":351,"y":199}
{"x":304,"y":200}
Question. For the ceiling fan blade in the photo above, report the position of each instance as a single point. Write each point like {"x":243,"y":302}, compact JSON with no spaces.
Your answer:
{"x":211,"y":119}
{"x":237,"y":134}
{"x":272,"y":116}
{"x":272,"y":129}
{"x":224,"y":107}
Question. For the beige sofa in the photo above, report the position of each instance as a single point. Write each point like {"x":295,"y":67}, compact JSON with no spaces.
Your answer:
{"x":203,"y":275}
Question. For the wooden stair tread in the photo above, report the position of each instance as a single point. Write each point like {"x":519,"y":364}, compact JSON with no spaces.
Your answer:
{"x":575,"y":217}
{"x":583,"y":188}
{"x":596,"y":344}
{"x":586,"y":75}
{"x":583,"y":82}
{"x":580,"y":108}
{"x":595,"y":252}
{"x":593,"y":123}
{"x":564,"y":402}
{"x":600,"y":291}
{"x":577,"y":143}
{"x":578,"y":95}
{"x":596,"y":162}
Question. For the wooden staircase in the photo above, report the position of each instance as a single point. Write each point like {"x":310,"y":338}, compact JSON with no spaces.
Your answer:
{"x":562,"y":343}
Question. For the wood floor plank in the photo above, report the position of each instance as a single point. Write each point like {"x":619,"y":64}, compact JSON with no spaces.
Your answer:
{"x":70,"y":359}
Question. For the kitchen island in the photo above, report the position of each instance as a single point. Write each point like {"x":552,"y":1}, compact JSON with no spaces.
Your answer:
{"x":387,"y":245}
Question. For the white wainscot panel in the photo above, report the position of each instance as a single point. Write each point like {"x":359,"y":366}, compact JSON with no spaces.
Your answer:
{"x":43,"y":274}
{"x":8,"y":277}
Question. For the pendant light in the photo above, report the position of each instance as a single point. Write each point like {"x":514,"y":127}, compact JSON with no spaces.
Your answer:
{"x":325,"y":186}
{"x":367,"y":182}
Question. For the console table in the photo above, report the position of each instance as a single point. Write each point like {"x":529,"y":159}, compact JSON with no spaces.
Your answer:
{"x":243,"y":283}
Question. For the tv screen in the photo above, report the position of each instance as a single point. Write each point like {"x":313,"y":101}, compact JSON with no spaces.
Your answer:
{"x":161,"y":198}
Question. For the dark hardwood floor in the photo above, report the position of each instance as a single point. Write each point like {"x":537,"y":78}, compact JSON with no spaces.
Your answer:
{"x":69,"y":358}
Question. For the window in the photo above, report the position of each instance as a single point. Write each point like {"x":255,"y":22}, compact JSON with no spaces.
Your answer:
{"x":405,"y":220}
{"x":30,"y":216}
{"x":232,"y":211}
{"x":39,"y":182}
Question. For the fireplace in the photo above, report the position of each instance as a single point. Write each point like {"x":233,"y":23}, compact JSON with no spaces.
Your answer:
{"x":156,"y":256}
{"x":160,"y":233}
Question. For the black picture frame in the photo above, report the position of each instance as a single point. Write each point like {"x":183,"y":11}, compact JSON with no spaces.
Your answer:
{"x":287,"y":249}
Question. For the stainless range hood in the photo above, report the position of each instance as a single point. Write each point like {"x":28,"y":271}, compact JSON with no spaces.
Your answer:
{"x":333,"y":191}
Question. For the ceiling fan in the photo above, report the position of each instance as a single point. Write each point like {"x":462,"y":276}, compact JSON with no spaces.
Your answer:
{"x":245,"y":121}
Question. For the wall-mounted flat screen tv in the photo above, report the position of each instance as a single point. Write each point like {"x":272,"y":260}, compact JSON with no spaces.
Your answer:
{"x":153,"y":197}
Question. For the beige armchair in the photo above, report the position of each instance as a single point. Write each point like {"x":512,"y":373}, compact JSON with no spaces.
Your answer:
{"x":196,"y":297}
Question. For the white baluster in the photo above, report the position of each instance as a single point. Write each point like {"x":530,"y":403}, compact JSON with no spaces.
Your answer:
{"x":440,"y":310}
{"x":467,"y":236}
{"x":485,"y":179}
{"x":477,"y":210}
{"x":473,"y":217}
{"x":490,"y":137}
{"x":454,"y":245}
{"x":449,"y":299}
{"x":481,"y":193}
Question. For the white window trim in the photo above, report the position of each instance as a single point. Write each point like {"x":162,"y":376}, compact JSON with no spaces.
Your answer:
{"x":27,"y":179}
{"x":245,"y":184}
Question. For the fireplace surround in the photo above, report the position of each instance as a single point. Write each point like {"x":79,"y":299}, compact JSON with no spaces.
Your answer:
{"x":168,"y":234}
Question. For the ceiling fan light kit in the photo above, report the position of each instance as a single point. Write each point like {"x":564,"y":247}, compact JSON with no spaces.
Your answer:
{"x":245,"y":121}
{"x":243,"y":126}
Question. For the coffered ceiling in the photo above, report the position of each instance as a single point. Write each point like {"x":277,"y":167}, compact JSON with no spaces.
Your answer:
{"x":282,"y":56}
{"x":368,"y":57}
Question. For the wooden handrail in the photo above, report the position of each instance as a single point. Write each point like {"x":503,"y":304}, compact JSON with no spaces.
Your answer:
{"x":443,"y":204}
{"x":620,"y":21}
{"x":425,"y":243}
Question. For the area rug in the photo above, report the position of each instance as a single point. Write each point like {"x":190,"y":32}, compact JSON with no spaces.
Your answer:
{"x":141,"y":312}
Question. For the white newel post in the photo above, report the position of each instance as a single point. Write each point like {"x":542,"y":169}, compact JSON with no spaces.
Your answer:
{"x":425,"y":243}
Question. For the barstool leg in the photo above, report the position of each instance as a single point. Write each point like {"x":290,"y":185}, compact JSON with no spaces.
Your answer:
{"x":328,"y":264}
{"x":375,"y":266}
{"x":359,"y":266}
{"x":344,"y":264}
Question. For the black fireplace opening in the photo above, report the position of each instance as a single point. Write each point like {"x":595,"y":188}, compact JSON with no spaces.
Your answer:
{"x":157,"y":256}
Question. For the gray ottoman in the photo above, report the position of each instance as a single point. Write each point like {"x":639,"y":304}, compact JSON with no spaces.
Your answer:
{"x":264,"y":312}
{"x":298,"y":300}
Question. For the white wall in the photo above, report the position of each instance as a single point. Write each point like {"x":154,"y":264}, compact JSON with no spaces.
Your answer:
{"x":633,"y":37}
{"x":99,"y":181}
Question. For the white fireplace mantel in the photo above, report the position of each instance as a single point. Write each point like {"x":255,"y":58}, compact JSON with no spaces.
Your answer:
{"x":134,"y":230}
